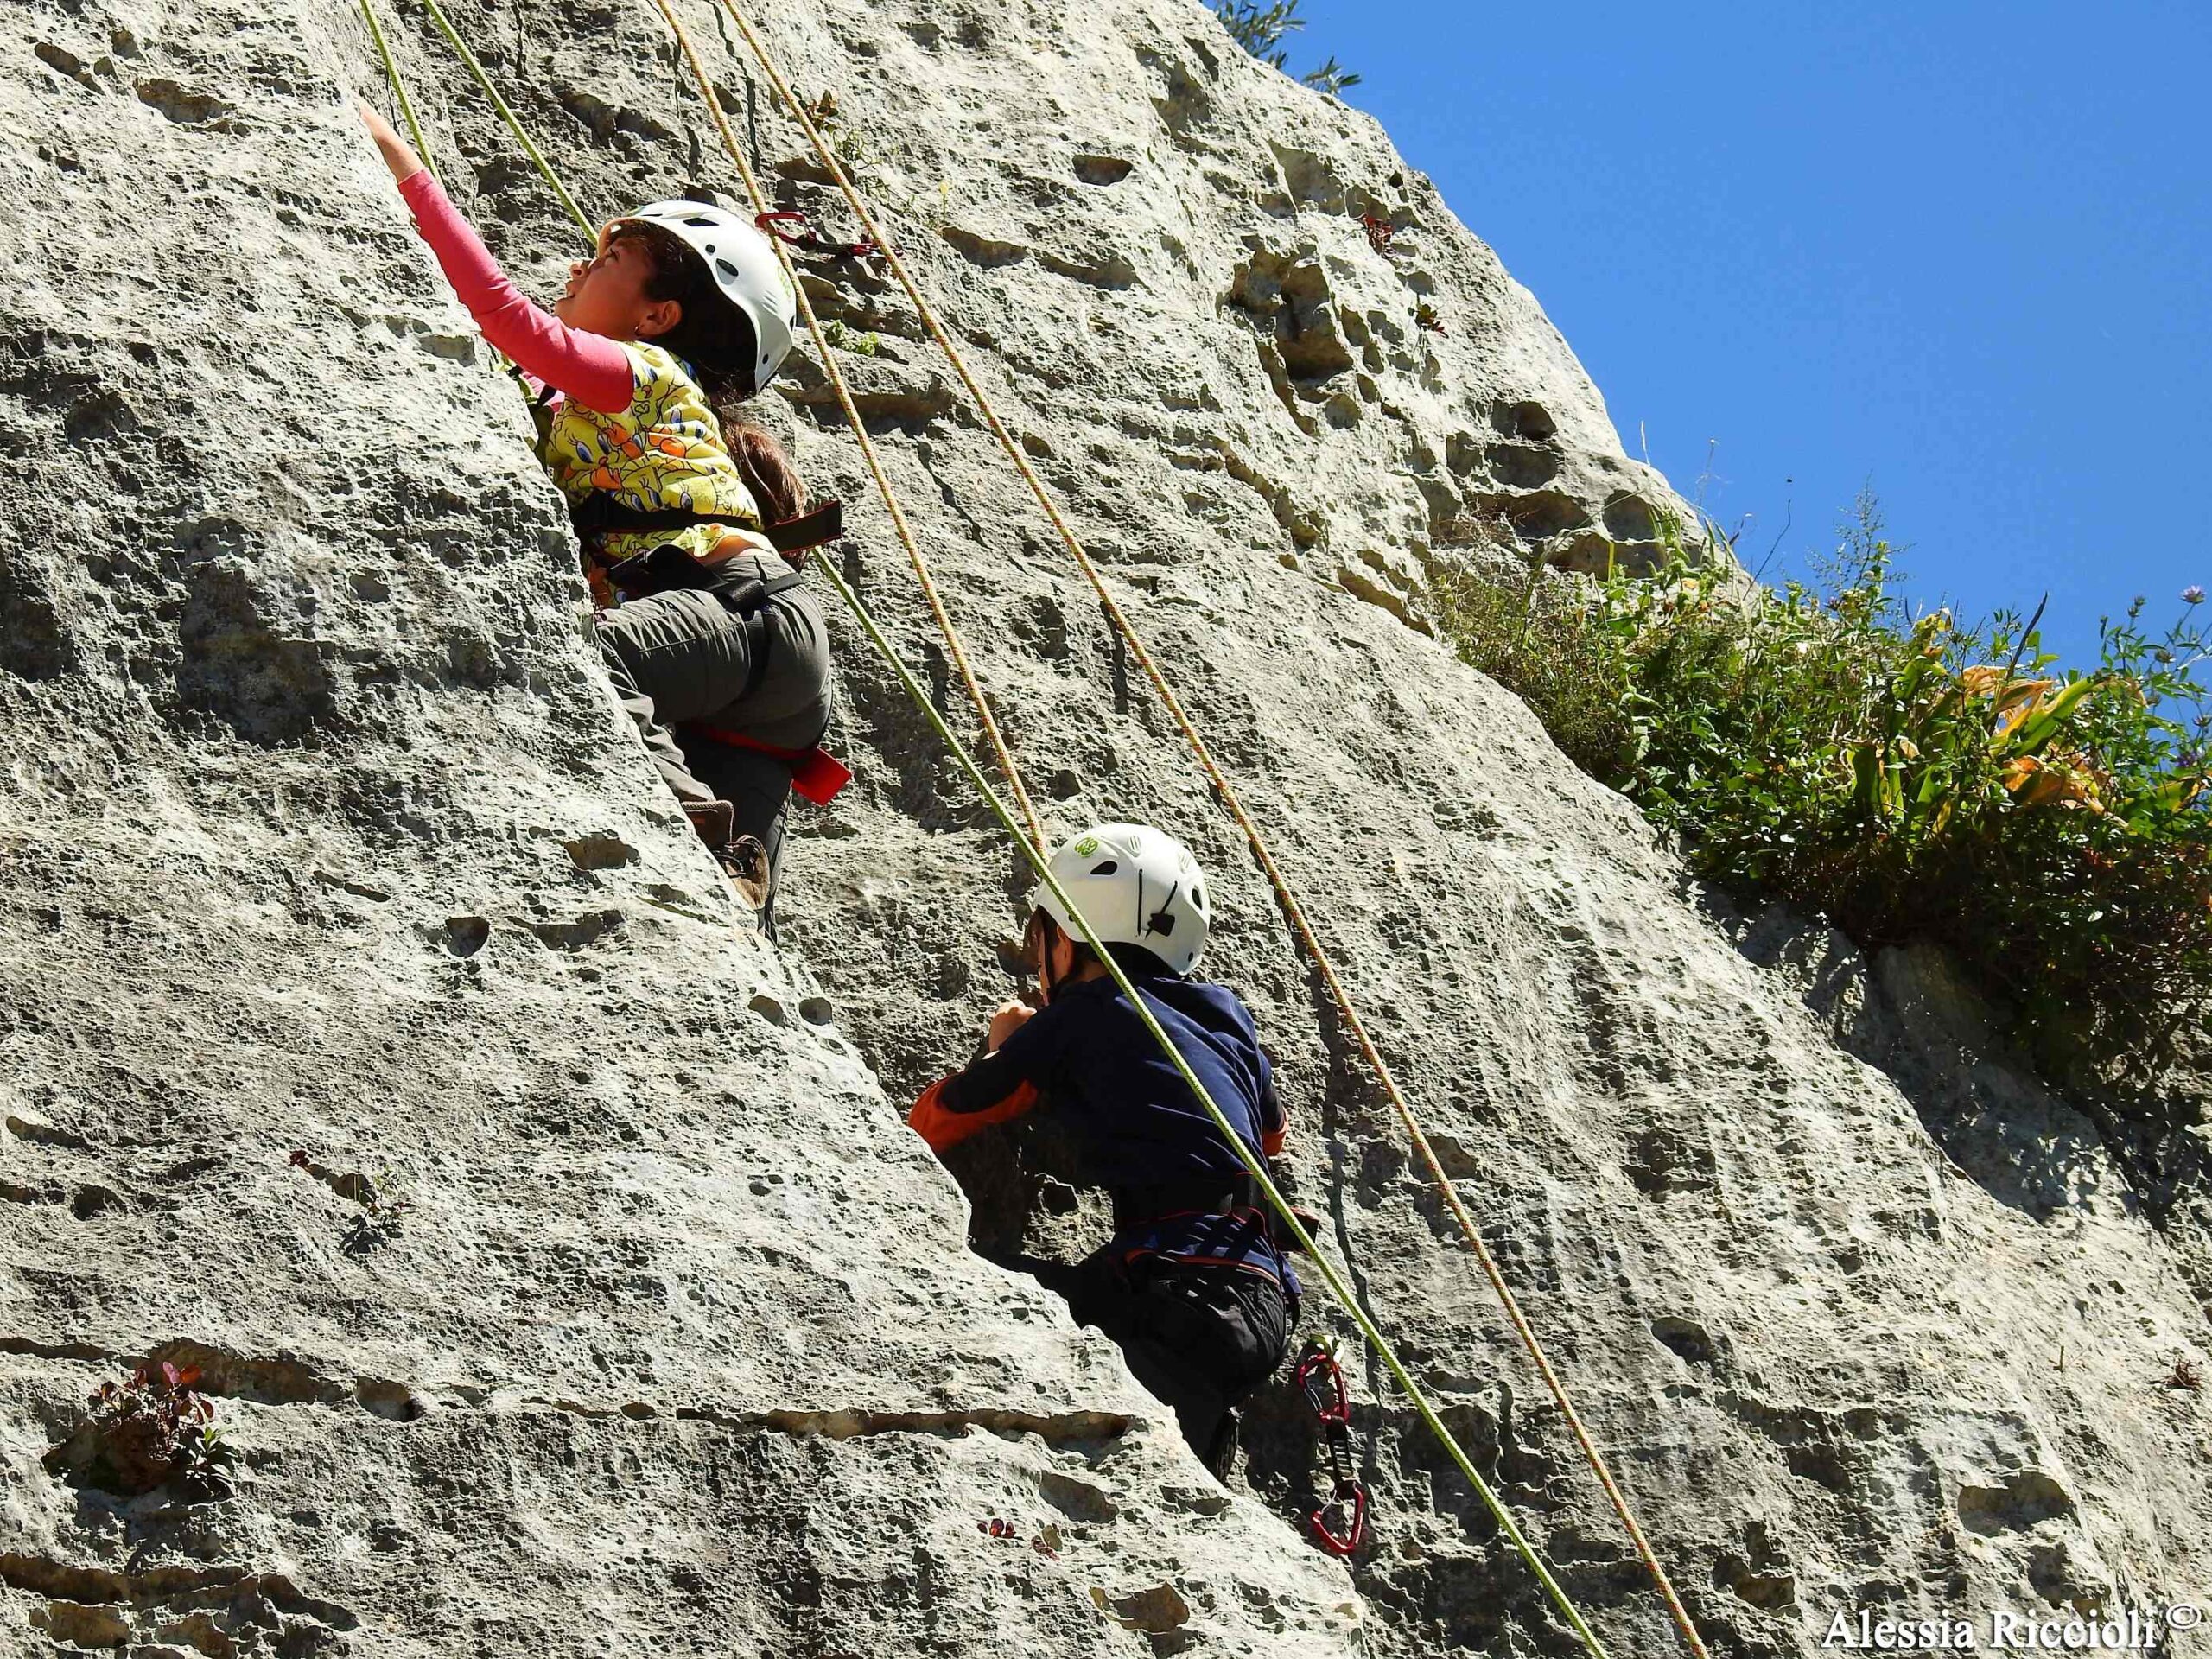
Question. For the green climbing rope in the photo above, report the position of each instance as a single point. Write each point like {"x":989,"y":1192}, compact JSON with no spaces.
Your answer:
{"x":1256,"y":1165}
{"x":398,"y":88}
{"x":468,"y":58}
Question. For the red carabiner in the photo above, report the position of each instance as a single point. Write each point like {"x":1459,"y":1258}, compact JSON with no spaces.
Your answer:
{"x":1347,"y":1542}
{"x":1331,"y":1405}
{"x":1322,"y":1381}
{"x":810,"y":241}
{"x":768,"y":222}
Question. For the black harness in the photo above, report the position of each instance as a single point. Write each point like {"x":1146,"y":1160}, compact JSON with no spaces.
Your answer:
{"x":600,"y":514}
{"x":670,"y":569}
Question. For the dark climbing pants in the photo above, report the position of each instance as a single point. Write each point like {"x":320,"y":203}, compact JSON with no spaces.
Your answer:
{"x":1198,"y":1338}
{"x":685,"y":657}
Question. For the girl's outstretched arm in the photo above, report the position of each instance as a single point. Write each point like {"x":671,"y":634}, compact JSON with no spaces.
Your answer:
{"x":397,"y":155}
{"x":590,"y":369}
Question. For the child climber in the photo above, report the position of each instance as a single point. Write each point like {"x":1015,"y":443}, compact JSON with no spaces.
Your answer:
{"x":1192,"y":1286}
{"x":683,"y":312}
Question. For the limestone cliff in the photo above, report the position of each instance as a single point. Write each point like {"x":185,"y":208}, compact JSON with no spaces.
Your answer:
{"x":321,"y":834}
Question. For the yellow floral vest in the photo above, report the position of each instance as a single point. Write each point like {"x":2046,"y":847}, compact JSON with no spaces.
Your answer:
{"x":665,"y":450}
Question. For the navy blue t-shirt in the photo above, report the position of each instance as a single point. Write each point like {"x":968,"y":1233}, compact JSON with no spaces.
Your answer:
{"x":1137,"y":1125}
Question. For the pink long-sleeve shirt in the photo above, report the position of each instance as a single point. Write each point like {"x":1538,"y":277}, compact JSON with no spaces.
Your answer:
{"x":588,"y":369}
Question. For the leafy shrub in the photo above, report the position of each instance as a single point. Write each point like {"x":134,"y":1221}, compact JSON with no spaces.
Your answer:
{"x":1260,"y":29}
{"x":154,"y":1428}
{"x":1905,"y":775}
{"x":1541,"y":635}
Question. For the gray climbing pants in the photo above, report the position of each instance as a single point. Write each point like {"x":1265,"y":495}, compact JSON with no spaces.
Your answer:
{"x":680,"y":657}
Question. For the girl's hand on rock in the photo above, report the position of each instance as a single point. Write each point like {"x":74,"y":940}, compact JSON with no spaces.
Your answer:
{"x":1010,"y":1017}
{"x":403,"y":162}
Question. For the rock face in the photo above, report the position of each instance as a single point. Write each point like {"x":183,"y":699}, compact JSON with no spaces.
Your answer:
{"x":610,"y":1309}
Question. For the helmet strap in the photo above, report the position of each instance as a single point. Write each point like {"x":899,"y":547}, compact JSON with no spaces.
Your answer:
{"x":1160,"y":921}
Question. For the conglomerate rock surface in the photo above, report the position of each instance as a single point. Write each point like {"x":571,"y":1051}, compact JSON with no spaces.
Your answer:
{"x":321,"y":836}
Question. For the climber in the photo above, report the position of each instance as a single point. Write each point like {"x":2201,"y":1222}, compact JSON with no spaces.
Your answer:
{"x":1193,"y":1285}
{"x":686,"y":511}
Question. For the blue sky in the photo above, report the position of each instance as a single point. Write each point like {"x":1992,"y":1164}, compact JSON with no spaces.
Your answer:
{"x":1960,"y":251}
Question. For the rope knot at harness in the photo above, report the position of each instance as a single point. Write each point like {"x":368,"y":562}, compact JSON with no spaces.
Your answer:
{"x":1339,"y":1526}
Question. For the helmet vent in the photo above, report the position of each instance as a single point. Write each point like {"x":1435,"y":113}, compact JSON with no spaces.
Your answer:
{"x":729,"y":272}
{"x":700,"y":222}
{"x":1107,"y":868}
{"x":1161,"y":923}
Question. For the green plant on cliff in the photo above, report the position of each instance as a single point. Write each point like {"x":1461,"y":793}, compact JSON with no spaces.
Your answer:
{"x":1905,"y":775}
{"x":1541,"y":635}
{"x":846,"y":339}
{"x":1260,"y":30}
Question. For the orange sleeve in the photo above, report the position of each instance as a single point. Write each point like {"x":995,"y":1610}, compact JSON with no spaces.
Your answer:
{"x":1271,"y":1140}
{"x":943,"y":1127}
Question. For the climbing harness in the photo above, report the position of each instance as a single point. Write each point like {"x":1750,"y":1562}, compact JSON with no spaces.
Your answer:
{"x":1293,"y":912}
{"x":1030,"y":840}
{"x":816,"y":773}
{"x":1321,"y":1379}
{"x":598,"y":513}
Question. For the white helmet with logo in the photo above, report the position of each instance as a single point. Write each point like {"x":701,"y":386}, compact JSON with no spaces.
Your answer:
{"x":1134,"y":886}
{"x":747,"y":272}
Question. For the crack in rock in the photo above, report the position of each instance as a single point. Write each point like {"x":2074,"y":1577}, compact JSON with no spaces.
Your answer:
{"x":215,"y":1602}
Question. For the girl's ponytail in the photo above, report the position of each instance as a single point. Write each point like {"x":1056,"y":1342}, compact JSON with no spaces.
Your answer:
{"x":778,"y":490}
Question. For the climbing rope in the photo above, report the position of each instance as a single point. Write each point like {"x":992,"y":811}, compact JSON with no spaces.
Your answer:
{"x":1031,"y":841}
{"x":468,"y":58}
{"x":399,"y":89}
{"x":1034,"y":851}
{"x":1293,"y":911}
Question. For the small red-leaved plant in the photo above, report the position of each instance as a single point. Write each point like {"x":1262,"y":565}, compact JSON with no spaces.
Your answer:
{"x":155,"y":1428}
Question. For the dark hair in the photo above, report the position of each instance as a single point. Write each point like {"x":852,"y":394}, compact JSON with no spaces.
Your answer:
{"x":1136,"y":961}
{"x":779,"y":492}
{"x":712,"y":335}
{"x":715,"y":338}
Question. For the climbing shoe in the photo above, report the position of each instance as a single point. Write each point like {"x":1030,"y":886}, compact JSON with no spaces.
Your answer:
{"x":1221,"y":1456}
{"x":745,"y":862}
{"x":713,"y":820}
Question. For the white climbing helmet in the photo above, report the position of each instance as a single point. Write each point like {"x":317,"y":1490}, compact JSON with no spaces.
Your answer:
{"x":745,"y":268}
{"x":1134,"y":886}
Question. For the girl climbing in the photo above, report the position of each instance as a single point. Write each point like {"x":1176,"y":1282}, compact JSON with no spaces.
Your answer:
{"x":715,"y":649}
